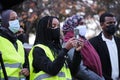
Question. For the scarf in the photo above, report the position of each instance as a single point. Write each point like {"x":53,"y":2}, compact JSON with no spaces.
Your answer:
{"x":91,"y":58}
{"x":68,"y":35}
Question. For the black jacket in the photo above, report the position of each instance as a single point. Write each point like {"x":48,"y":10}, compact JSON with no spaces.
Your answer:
{"x":42,"y":62}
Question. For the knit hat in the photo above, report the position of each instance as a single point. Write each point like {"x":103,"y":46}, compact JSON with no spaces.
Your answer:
{"x":71,"y":22}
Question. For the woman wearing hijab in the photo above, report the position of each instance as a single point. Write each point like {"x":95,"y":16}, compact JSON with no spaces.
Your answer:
{"x":48,"y":60}
{"x":90,"y":66}
{"x":12,"y":50}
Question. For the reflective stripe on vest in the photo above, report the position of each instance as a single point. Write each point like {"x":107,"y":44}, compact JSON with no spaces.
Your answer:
{"x":43,"y":76}
{"x":16,"y":65}
{"x":10,"y":78}
{"x":13,"y":59}
{"x":64,"y":74}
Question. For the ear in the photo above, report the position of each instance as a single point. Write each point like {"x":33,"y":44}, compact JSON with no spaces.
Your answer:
{"x":102,"y":24}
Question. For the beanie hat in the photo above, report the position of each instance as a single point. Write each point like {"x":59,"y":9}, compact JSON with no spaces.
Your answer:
{"x":71,"y":22}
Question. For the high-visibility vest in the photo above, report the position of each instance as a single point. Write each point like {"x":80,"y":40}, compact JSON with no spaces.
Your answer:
{"x":64,"y":73}
{"x":13,"y":60}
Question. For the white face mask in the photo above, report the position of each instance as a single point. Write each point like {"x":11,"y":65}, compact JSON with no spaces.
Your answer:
{"x":14,"y":26}
{"x":82,"y":29}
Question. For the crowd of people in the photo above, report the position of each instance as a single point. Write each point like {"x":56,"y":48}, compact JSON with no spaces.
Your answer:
{"x":59,"y":54}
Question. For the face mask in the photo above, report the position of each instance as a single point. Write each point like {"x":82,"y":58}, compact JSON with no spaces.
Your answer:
{"x":82,"y":30}
{"x":56,"y":34}
{"x":111,"y":29}
{"x":14,"y":26}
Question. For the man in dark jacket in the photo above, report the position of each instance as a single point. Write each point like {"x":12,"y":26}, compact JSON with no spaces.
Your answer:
{"x":108,"y":47}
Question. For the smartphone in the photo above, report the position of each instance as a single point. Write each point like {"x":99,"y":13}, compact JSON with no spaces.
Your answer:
{"x":76,"y":33}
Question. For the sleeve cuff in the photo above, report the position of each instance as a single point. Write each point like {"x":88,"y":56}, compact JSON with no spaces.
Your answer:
{"x":65,"y":50}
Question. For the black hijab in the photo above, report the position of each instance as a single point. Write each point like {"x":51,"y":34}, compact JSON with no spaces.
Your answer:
{"x":44,"y":33}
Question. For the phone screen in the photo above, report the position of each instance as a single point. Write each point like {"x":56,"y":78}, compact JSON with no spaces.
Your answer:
{"x":76,"y":33}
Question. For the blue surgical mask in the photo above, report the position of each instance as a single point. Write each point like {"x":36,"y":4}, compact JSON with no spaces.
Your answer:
{"x":14,"y":26}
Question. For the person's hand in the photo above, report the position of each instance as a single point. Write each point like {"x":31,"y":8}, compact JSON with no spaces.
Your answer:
{"x":25,"y":71}
{"x":79,"y":44}
{"x":74,"y":43}
{"x":69,"y":43}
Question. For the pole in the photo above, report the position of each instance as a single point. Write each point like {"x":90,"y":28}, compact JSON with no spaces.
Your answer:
{"x":3,"y":67}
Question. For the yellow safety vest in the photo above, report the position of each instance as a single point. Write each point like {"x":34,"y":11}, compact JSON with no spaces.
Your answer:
{"x":64,"y":73}
{"x":13,"y":60}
